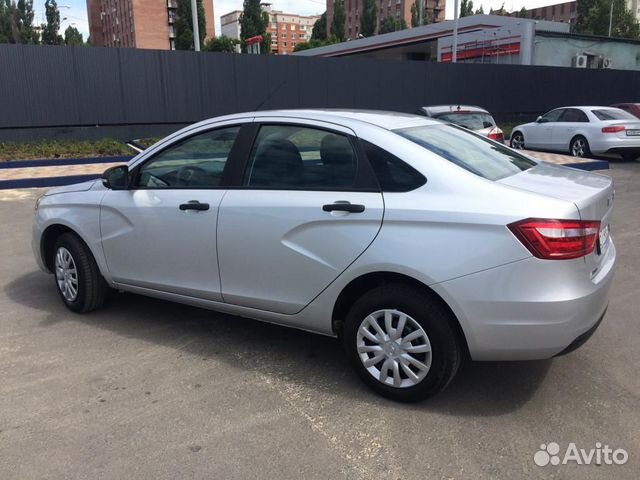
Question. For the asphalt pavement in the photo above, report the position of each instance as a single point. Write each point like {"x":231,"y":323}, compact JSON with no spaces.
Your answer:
{"x":153,"y":390}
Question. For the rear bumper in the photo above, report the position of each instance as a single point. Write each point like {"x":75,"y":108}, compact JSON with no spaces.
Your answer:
{"x":615,"y":144}
{"x":531,"y":309}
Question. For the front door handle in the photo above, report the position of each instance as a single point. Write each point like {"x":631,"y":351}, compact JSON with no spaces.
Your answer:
{"x":343,"y":207}
{"x":194,"y":205}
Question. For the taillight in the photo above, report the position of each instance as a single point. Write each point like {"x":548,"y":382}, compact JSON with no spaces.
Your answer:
{"x":613,"y":129}
{"x":557,"y":239}
{"x":496,"y":134}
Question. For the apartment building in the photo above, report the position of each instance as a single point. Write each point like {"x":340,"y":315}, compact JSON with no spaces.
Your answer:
{"x":286,"y":29}
{"x":433,"y":11}
{"x":566,"y":12}
{"x":138,"y":23}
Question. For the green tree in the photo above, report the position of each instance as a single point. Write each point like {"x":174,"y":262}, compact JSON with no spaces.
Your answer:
{"x":415,"y":14}
{"x":22,"y":27}
{"x":6,"y":17}
{"x":313,"y":43}
{"x":254,"y":22}
{"x":72,"y":36}
{"x":184,"y":25}
{"x":480,"y":11}
{"x":466,"y":8}
{"x":593,"y":18}
{"x":392,"y":24}
{"x":369,"y":18}
{"x":523,"y":13}
{"x":50,"y":35}
{"x":221,"y":44}
{"x":319,"y":31}
{"x":501,"y":11}
{"x":337,"y":25}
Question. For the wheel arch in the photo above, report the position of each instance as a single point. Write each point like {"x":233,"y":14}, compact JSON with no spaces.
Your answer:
{"x":362,"y":284}
{"x":48,"y":240}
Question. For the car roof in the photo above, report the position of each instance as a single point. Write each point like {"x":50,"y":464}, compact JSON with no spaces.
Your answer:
{"x":345,"y":117}
{"x":438,"y":109}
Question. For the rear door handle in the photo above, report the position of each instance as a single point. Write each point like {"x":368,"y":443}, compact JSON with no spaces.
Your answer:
{"x":343,"y":207}
{"x":194,"y":205}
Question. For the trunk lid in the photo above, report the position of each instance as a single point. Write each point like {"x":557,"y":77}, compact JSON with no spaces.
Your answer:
{"x":591,"y":193}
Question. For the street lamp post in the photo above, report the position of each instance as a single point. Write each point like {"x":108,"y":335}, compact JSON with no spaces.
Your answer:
{"x":454,"y":49}
{"x":196,"y":27}
{"x":611,"y":18}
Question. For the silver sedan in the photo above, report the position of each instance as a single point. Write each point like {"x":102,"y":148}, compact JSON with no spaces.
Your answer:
{"x":582,"y":131}
{"x":417,"y":243}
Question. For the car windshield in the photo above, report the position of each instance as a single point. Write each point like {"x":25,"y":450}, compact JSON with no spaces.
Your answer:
{"x":470,"y":120}
{"x":611,"y":114}
{"x":467,"y":150}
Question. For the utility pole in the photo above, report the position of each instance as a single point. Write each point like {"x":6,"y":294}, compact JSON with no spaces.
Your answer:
{"x":454,"y":49}
{"x":421,"y":13}
{"x":196,"y":27}
{"x":610,"y":17}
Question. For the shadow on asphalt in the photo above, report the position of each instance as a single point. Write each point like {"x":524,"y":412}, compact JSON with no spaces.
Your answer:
{"x":313,"y":361}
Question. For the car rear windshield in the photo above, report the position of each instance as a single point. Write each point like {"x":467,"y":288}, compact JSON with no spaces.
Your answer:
{"x":470,"y":120}
{"x":468,"y":150}
{"x":610,"y":114}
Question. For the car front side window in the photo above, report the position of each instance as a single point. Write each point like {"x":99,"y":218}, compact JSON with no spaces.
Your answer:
{"x":196,"y":162}
{"x":553,"y":115}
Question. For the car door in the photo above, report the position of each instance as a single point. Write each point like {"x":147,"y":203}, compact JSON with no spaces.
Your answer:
{"x":160,"y":234}
{"x":539,"y":135}
{"x":306,"y":206}
{"x":567,"y":127}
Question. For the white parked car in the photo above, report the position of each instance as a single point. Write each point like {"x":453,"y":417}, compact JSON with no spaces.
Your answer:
{"x":581,"y":131}
{"x":470,"y":117}
{"x":417,"y":242}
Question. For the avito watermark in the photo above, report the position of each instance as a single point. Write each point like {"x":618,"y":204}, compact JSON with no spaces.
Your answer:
{"x":549,"y":454}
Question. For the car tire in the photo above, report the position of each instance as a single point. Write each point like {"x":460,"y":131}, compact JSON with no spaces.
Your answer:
{"x":77,"y":276}
{"x":434,"y":343}
{"x":517,"y":141}
{"x":579,"y":147}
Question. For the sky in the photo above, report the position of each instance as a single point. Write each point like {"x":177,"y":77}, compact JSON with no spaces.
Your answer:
{"x":75,"y":11}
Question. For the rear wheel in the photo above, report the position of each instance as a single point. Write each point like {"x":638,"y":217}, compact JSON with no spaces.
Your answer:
{"x":579,"y":147}
{"x":517,"y":141}
{"x":402,"y":343}
{"x":77,"y":276}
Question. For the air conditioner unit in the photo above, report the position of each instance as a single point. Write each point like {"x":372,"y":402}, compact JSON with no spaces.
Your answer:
{"x":580,"y":61}
{"x":607,"y":62}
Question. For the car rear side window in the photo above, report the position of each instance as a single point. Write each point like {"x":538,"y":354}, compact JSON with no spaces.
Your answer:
{"x":297,"y":157}
{"x":470,"y":120}
{"x":611,"y":114}
{"x":573,"y":115}
{"x":196,"y":162}
{"x":467,"y":150}
{"x":393,"y":174}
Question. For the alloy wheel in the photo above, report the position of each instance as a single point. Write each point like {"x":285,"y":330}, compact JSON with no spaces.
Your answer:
{"x":394,"y":348}
{"x":517,"y":141}
{"x":66,"y":274}
{"x":579,"y":147}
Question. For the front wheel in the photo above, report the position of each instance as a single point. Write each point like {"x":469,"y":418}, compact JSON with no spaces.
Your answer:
{"x":579,"y":147}
{"x":517,"y":141}
{"x":78,"y":279}
{"x":402,"y":343}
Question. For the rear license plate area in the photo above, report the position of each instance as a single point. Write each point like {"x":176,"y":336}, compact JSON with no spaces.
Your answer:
{"x":633,"y":133}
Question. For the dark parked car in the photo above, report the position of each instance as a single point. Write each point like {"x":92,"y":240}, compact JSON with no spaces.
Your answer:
{"x":632,"y":108}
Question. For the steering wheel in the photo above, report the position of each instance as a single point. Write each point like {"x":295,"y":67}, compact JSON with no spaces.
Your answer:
{"x":187,"y":173}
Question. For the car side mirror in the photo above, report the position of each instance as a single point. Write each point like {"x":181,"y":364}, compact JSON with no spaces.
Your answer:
{"x":116,"y":178}
{"x":539,"y":120}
